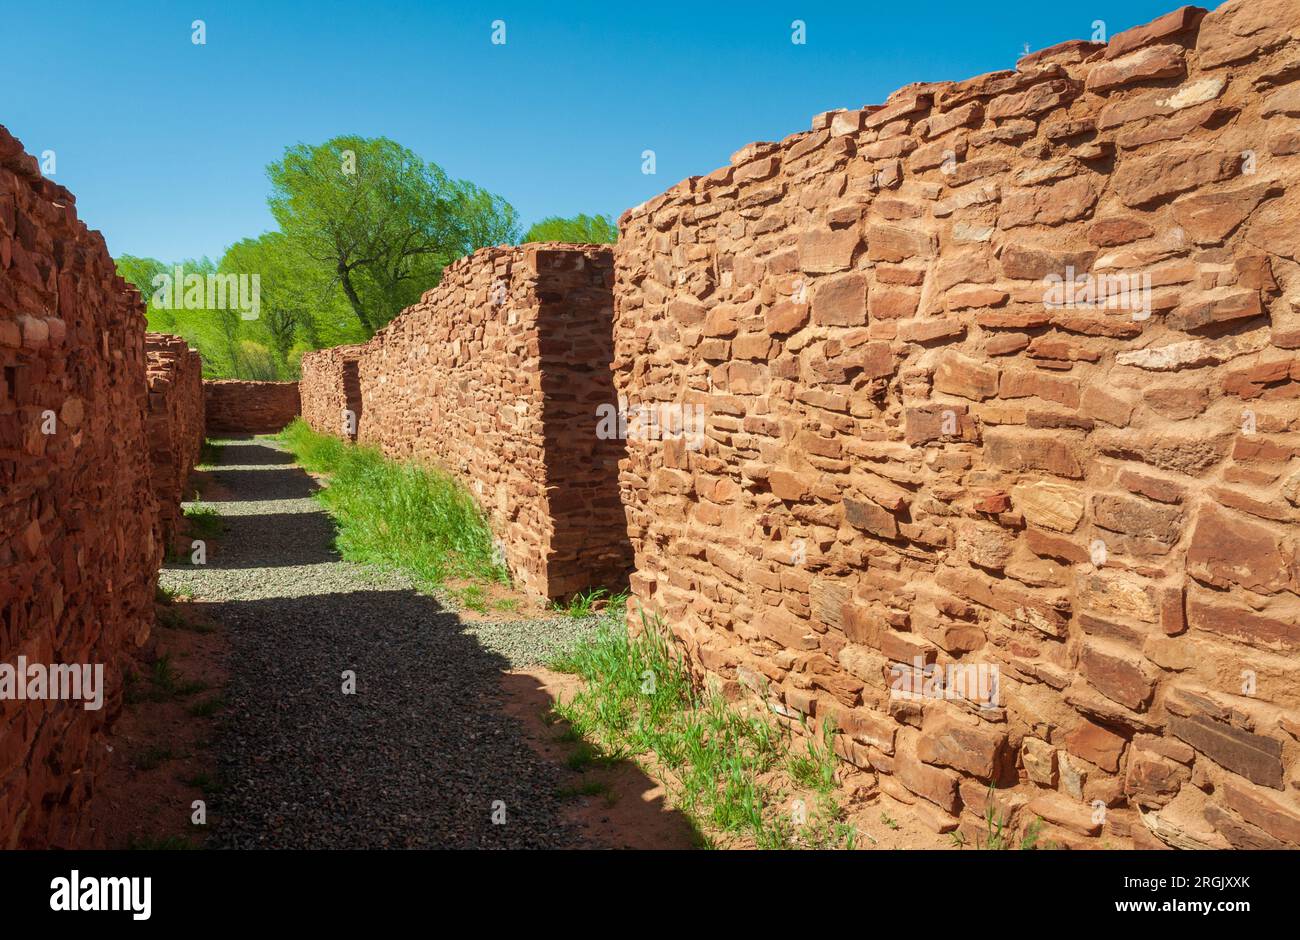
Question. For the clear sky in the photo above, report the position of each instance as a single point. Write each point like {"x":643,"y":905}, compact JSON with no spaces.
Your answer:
{"x":165,"y":142}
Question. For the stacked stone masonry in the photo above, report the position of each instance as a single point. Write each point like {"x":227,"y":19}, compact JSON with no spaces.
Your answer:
{"x":497,"y":376}
{"x":331,"y":390}
{"x":78,"y":552}
{"x":924,"y":446}
{"x":174,"y":373}
{"x":236,"y":406}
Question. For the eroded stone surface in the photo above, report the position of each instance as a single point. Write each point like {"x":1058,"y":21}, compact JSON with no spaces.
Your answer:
{"x":1096,"y":495}
{"x":79,"y":540}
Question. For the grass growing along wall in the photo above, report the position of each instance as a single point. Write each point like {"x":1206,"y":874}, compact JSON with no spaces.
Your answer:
{"x":417,"y":519}
{"x":733,"y":773}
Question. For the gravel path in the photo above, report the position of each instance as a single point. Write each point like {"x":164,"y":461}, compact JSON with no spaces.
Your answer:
{"x":420,"y":754}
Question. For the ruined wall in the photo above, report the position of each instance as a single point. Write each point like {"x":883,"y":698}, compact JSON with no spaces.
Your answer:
{"x":915,"y":450}
{"x":331,"y":390}
{"x":234,"y":406}
{"x":174,"y":373}
{"x":497,"y":375}
{"x":78,"y":555}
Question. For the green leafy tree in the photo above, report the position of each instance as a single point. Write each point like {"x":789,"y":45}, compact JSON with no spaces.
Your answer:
{"x":380,"y":219}
{"x":140,"y":272}
{"x":579,"y":230}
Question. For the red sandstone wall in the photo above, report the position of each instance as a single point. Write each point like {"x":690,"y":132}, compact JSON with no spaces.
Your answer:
{"x":234,"y":406}
{"x":175,"y":423}
{"x":910,"y":455}
{"x":497,"y":375}
{"x":78,"y":554}
{"x":331,"y":390}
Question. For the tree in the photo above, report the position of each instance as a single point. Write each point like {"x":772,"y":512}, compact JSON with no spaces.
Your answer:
{"x":380,"y":219}
{"x":140,"y":272}
{"x":579,"y":230}
{"x":288,"y":291}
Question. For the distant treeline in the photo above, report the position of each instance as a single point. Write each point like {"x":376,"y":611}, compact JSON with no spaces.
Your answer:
{"x":365,"y":227}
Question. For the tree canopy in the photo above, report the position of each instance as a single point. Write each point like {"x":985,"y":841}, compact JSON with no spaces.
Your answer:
{"x":380,"y":220}
{"x":364,"y":227}
{"x":580,"y":230}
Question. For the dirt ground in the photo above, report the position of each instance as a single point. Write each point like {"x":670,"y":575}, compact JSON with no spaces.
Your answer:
{"x":159,"y":758}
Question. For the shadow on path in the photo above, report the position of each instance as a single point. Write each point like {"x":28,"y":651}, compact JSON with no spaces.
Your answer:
{"x":424,"y":754}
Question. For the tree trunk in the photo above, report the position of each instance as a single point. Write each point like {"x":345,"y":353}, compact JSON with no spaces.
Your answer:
{"x":345,"y":278}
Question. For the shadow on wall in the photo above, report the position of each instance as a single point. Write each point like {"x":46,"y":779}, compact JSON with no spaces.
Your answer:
{"x":352,"y":396}
{"x":575,"y":327}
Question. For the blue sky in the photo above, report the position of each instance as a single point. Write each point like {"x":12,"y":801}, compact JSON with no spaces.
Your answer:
{"x":165,"y":142}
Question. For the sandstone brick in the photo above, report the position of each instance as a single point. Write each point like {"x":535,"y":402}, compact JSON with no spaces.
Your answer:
{"x":973,"y":749}
{"x":785,"y":317}
{"x":827,"y":251}
{"x":1265,"y":811}
{"x":1142,"y":182}
{"x":967,"y":377}
{"x":841,"y":301}
{"x":1227,"y":549}
{"x":1037,"y":263}
{"x":1210,"y":217}
{"x":1051,"y":505}
{"x":1039,"y":760}
{"x":1141,"y":66}
{"x":1071,"y":815}
{"x":1171,"y":24}
{"x":1029,"y":450}
{"x":1023,"y":383}
{"x":1133,"y":516}
{"x":896,"y":243}
{"x":1255,"y":757}
{"x":937,"y":785}
{"x":1096,"y":744}
{"x":1107,"y":233}
{"x":870,"y":518}
{"x":1238,"y":622}
{"x":1117,"y":674}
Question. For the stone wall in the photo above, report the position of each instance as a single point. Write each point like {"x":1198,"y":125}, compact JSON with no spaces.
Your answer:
{"x":234,"y":406}
{"x":331,"y":390}
{"x":78,"y":554}
{"x":497,"y":376}
{"x":174,"y":373}
{"x":922,"y":448}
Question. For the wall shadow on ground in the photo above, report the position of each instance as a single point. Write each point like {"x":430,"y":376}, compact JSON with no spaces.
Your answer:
{"x":269,"y":540}
{"x":251,"y":452}
{"x":415,"y":759}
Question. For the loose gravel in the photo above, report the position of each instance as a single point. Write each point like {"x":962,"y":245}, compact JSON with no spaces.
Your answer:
{"x":422,"y":755}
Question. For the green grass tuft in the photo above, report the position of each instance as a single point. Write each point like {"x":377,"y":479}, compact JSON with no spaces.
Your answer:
{"x":205,"y":522}
{"x":583,"y":604}
{"x":638,"y":698}
{"x":209,"y":454}
{"x":399,"y":515}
